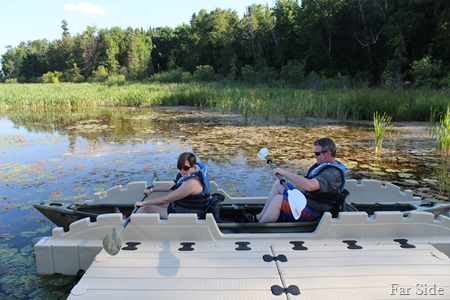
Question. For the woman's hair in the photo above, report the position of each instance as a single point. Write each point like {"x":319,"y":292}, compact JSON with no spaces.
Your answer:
{"x":186,"y":156}
{"x":326,"y":144}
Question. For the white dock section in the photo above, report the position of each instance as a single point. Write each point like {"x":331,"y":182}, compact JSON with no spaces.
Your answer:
{"x":389,"y":255}
{"x":278,"y":269}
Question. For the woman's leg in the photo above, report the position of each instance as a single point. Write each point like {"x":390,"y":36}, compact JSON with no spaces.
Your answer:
{"x":160,"y":209}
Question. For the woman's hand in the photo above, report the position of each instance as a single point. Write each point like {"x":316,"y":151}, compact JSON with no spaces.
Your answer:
{"x":139,"y":204}
{"x":148,"y":191}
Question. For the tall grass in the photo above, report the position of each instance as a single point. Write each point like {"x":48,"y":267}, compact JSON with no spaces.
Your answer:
{"x":286,"y":104}
{"x":443,"y":135}
{"x":381,"y":123}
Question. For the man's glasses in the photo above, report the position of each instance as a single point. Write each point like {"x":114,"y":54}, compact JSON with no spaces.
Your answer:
{"x":185,"y":168}
{"x":318,"y":153}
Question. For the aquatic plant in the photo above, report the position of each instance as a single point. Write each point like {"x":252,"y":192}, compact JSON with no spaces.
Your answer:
{"x":381,"y":123}
{"x":431,"y":127}
{"x":269,"y":102}
{"x":393,"y":138}
{"x":443,"y":135}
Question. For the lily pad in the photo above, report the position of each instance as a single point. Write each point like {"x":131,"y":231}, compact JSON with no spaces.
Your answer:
{"x":411,"y":181}
{"x":405,"y":175}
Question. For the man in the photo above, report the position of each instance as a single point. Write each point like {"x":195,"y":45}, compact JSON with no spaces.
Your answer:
{"x":321,"y":187}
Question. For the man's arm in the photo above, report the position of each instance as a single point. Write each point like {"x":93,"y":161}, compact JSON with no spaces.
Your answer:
{"x":299,"y":181}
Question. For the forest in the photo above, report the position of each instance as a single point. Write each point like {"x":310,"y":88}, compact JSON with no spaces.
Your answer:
{"x":381,"y":43}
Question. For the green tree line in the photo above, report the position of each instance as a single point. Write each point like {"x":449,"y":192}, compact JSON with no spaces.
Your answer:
{"x":373,"y":42}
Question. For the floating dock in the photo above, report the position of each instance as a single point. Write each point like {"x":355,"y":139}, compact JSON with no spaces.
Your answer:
{"x":384,"y":256}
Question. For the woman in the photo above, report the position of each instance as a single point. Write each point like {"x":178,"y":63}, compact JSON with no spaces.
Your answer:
{"x":189,"y":193}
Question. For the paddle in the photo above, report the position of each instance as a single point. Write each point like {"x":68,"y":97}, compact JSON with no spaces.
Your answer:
{"x":436,"y":211}
{"x":296,"y":199}
{"x":113,"y":241}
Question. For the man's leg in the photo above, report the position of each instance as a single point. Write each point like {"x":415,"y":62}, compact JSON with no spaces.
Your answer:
{"x":272,"y":211}
{"x":277,"y":189}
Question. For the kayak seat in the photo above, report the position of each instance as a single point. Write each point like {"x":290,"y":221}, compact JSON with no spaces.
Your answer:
{"x":340,"y":204}
{"x":213,"y":207}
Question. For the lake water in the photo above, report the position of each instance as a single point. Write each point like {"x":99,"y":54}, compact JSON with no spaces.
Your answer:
{"x":68,"y":155}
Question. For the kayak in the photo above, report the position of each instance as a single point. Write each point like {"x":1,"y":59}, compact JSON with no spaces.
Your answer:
{"x":367,"y":196}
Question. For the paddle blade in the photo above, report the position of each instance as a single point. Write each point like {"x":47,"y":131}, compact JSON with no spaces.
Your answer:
{"x":297,"y":202}
{"x":112,"y":242}
{"x":263,"y":153}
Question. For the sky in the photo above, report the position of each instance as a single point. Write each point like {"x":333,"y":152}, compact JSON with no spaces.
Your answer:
{"x":27,"y":20}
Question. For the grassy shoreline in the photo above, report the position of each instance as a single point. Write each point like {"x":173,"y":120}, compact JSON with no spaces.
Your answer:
{"x":267,"y":102}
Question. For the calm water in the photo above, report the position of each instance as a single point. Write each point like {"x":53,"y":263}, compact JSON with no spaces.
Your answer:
{"x":68,"y":155}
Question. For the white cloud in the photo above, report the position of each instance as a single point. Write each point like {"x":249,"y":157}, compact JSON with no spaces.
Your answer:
{"x":85,"y":8}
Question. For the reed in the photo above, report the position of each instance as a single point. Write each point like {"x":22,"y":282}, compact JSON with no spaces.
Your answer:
{"x":281,"y":104}
{"x":443,"y":135}
{"x":431,"y":127}
{"x":381,"y":124}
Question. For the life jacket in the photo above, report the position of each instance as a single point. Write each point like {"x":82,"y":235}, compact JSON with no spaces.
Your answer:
{"x":332,"y":196}
{"x":196,"y":201}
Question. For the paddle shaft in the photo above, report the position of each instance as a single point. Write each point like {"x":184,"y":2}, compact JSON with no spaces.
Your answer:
{"x":127,"y":220}
{"x":282,"y":180}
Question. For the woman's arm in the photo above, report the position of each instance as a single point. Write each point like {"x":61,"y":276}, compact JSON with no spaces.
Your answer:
{"x":189,"y":187}
{"x":162,"y":188}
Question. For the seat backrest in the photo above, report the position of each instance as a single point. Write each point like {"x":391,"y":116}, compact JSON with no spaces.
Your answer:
{"x":340,"y":204}
{"x":213,"y":207}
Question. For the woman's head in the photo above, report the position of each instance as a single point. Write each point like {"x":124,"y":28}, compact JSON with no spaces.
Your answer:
{"x":186,"y":159}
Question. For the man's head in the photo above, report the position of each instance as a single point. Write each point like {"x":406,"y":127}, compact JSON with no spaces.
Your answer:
{"x":324,"y":150}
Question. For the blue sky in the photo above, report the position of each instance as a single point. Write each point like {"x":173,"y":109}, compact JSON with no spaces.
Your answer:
{"x":24,"y":20}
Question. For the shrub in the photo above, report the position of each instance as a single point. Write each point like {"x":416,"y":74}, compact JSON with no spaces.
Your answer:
{"x":205,"y":73}
{"x":177,"y":75}
{"x":116,"y":79}
{"x":11,"y":80}
{"x":99,"y":75}
{"x":72,"y":75}
{"x":427,"y":73}
{"x":50,"y":77}
{"x":249,"y":74}
{"x":293,"y":72}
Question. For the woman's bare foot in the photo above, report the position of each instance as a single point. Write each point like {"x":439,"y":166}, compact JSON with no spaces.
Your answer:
{"x":117,"y":210}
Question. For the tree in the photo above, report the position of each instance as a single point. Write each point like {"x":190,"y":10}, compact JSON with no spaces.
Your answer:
{"x":138,"y":54}
{"x":108,"y":51}
{"x":87,"y":51}
{"x":257,"y":31}
{"x":286,"y":13}
{"x":65,"y":28}
{"x":215,"y":37}
{"x":320,"y":28}
{"x":34,"y":63}
{"x":33,"y":66}
{"x":12,"y":60}
{"x":185,"y":54}
{"x":164,"y":40}
{"x":60,"y":54}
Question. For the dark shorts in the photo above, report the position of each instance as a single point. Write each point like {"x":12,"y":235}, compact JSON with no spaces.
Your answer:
{"x":178,"y":209}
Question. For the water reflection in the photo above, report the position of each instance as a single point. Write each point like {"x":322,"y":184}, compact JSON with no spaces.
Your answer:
{"x":67,"y":155}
